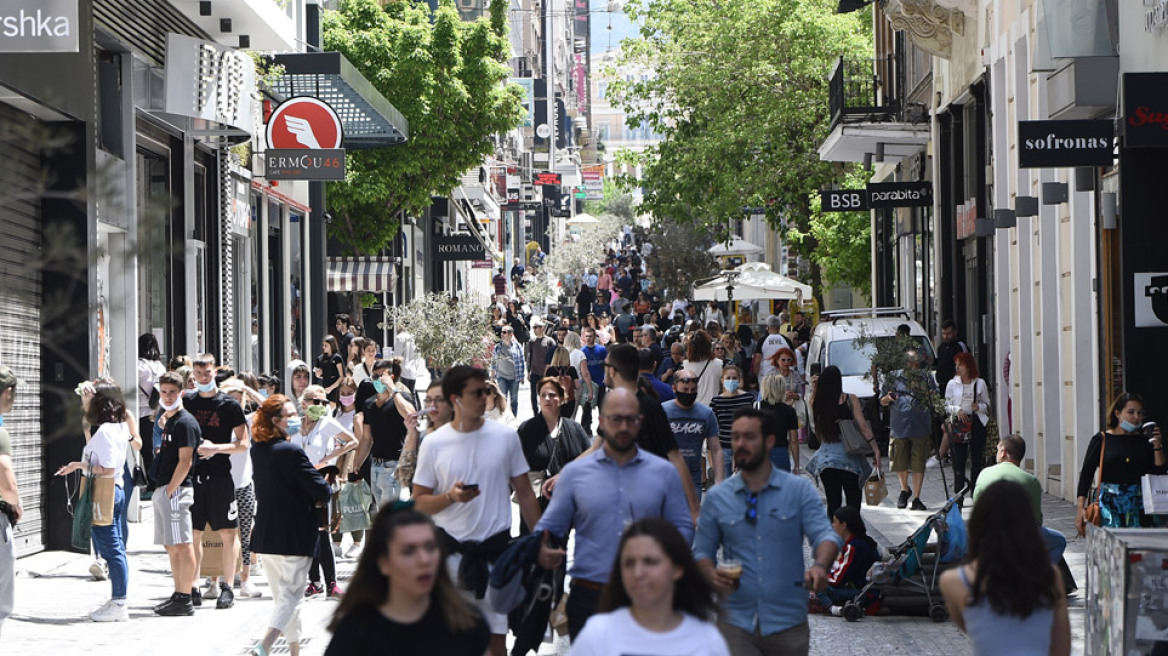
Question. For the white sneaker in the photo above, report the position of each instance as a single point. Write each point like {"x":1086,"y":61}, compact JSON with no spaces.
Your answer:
{"x":111,"y":612}
{"x":97,"y":571}
{"x":247,"y":590}
{"x":337,"y":549}
{"x":932,"y":463}
{"x":354,"y":551}
{"x":212,"y":590}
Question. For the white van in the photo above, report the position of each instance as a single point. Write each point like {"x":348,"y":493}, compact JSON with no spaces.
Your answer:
{"x":834,"y":343}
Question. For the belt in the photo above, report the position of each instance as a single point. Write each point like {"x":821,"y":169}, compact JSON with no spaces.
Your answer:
{"x":587,"y":585}
{"x":383,"y":461}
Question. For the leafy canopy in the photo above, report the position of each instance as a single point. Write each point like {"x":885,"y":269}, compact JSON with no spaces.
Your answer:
{"x":447,"y":78}
{"x":741,"y":96}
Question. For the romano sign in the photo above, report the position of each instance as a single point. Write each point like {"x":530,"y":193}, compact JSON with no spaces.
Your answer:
{"x":450,"y":248}
{"x":1053,"y":144}
{"x":38,"y":26}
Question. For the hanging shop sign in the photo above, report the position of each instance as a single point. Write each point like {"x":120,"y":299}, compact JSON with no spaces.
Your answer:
{"x":453,"y":248}
{"x":304,"y":138}
{"x":1053,"y":144}
{"x":1145,"y":110}
{"x":214,"y":83}
{"x":1151,"y":300}
{"x":900,"y":194}
{"x":843,"y":200}
{"x":38,"y":26}
{"x":966,"y":219}
{"x":548,"y":179}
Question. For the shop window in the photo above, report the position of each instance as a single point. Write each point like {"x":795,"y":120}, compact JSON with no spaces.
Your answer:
{"x":155,"y":249}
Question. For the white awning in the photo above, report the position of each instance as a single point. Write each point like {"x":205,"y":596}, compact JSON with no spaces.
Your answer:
{"x":362,"y":274}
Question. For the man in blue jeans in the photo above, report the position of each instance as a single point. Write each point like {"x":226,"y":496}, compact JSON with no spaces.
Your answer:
{"x":507,"y":367}
{"x":385,"y":433}
{"x":1011,"y":451}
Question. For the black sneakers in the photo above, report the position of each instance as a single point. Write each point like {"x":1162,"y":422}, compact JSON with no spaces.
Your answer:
{"x":196,"y":597}
{"x":177,"y":605}
{"x":902,"y":500}
{"x":917,"y":505}
{"x":226,"y":597}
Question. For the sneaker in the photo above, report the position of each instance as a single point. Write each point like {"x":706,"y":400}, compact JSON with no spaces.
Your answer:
{"x":249,"y":591}
{"x":312,"y":590}
{"x":98,"y":571}
{"x":932,"y":463}
{"x":176,"y":606}
{"x":111,"y":612}
{"x":196,"y":597}
{"x":353,"y":551}
{"x":917,"y":505}
{"x":337,"y":551}
{"x":165,"y":602}
{"x":226,"y":597}
{"x":208,"y":590}
{"x":902,"y":500}
{"x":334,"y":591}
{"x":837,"y":611}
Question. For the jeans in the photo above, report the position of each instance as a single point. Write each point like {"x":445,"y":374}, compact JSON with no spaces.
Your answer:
{"x":1056,"y":543}
{"x":972,"y":451}
{"x":128,"y":487}
{"x":795,"y":641}
{"x":510,"y":389}
{"x":836,"y":596}
{"x":727,"y":461}
{"x":109,"y":543}
{"x":582,"y":604}
{"x":386,"y":488}
{"x":836,"y":483}
{"x":781,"y":458}
{"x":7,"y":569}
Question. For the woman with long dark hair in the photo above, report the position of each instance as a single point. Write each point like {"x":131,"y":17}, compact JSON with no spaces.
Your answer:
{"x":840,"y":472}
{"x":656,"y":600}
{"x":329,"y":368}
{"x":700,"y":361}
{"x":1007,"y":597}
{"x":401,"y":600}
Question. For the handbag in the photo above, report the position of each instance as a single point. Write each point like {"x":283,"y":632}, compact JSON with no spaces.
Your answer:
{"x":101,"y":498}
{"x":875,"y":490}
{"x":82,"y":513}
{"x":139,"y":473}
{"x":959,"y":430}
{"x":1093,"y":512}
{"x":855,"y":444}
{"x":354,"y":502}
{"x":1155,"y":493}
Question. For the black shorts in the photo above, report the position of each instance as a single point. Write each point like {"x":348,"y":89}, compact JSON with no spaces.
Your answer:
{"x":214,"y":503}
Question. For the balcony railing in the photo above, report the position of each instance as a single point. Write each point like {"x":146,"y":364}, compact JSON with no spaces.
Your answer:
{"x":867,"y":89}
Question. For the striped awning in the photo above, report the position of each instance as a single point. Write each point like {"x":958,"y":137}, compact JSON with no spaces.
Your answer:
{"x":362,"y":274}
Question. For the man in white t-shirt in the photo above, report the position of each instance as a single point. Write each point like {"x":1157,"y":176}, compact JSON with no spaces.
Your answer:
{"x":774,"y":341}
{"x":465,"y":474}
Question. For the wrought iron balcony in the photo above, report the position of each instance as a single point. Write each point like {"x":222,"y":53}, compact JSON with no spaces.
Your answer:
{"x":867,"y":90}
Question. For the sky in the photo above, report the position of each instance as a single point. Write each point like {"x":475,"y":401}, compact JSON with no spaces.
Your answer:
{"x":603,"y":38}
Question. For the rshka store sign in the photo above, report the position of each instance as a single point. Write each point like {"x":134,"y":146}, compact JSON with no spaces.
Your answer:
{"x":38,"y":26}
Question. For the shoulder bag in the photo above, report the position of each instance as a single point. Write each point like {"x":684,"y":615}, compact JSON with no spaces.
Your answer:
{"x":82,"y":512}
{"x":854,"y":441}
{"x":1094,"y":514}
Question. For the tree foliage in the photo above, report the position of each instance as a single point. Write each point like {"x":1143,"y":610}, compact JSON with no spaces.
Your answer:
{"x":447,"y":78}
{"x":446,"y":330}
{"x":586,"y":248}
{"x":678,"y":258}
{"x":741,"y":97}
{"x":842,"y":239}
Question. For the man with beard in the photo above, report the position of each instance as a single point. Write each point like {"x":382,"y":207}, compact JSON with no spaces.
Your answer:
{"x":764,"y":612}
{"x":602,"y":491}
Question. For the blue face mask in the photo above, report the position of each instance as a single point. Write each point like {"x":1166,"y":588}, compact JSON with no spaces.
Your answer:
{"x":1,"y":420}
{"x":293,"y":426}
{"x":1129,"y":427}
{"x":263,"y":393}
{"x":379,"y":386}
{"x":209,"y":387}
{"x":731,"y":385}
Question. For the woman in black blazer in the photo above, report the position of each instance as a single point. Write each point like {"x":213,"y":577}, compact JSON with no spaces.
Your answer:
{"x":288,"y":492}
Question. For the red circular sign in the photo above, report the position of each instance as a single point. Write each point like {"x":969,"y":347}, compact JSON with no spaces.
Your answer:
{"x":304,"y":123}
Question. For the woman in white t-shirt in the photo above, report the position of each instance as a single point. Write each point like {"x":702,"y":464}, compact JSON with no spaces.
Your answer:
{"x":323,"y":440}
{"x":657,"y":601}
{"x":105,"y":455}
{"x":700,"y":361}
{"x":241,"y":474}
{"x":352,"y":421}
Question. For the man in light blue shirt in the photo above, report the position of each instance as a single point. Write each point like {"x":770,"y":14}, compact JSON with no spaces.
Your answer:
{"x":760,"y":517}
{"x":602,"y":493}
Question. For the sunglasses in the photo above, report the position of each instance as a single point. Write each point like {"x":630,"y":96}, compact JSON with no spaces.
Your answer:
{"x":752,"y":508}
{"x":479,"y":393}
{"x":317,"y":401}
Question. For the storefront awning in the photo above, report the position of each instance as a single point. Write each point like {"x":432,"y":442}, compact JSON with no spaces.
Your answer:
{"x":362,"y":274}
{"x":367,"y":118}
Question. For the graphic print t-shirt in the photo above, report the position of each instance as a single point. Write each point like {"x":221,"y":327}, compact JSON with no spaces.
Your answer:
{"x":691,"y":427}
{"x":217,"y":417}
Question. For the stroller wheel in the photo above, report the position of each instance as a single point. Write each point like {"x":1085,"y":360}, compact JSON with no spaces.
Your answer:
{"x":852,"y":612}
{"x":938,"y":613}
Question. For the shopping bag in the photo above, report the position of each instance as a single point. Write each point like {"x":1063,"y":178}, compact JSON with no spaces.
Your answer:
{"x":355,"y":499}
{"x":1155,"y":489}
{"x":82,"y":514}
{"x":559,"y":616}
{"x":101,"y":499}
{"x":875,"y":490}
{"x":212,"y":563}
{"x":854,"y":441}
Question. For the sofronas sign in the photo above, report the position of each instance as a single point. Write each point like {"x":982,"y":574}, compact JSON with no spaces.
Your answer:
{"x":38,"y":26}
{"x":1054,"y":144}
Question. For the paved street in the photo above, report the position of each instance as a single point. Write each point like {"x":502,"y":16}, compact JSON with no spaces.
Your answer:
{"x":55,"y":592}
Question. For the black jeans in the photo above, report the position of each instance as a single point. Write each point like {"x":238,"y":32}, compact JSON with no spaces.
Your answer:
{"x":972,"y":451}
{"x":582,"y":604}
{"x":323,"y":559}
{"x":146,"y":430}
{"x":837,"y":481}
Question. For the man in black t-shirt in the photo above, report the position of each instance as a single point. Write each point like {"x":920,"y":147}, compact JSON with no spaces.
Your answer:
{"x":223,"y":427}
{"x":173,"y":498}
{"x":384,"y":413}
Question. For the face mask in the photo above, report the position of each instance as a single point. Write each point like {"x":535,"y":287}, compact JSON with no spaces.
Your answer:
{"x":348,"y":400}
{"x":209,"y":387}
{"x":731,"y":385}
{"x":170,"y":408}
{"x":263,"y":393}
{"x":316,"y":412}
{"x":293,"y":426}
{"x":380,"y":387}
{"x":1128,"y":426}
{"x":686,"y":398}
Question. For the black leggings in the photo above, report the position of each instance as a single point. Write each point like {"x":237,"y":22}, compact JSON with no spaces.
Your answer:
{"x":972,"y":451}
{"x":836,"y":481}
{"x":323,"y":559}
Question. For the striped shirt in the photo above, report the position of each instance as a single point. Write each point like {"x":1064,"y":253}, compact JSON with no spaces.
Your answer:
{"x":724,"y":408}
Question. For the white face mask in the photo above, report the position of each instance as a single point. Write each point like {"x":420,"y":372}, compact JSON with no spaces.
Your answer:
{"x":171,"y":408}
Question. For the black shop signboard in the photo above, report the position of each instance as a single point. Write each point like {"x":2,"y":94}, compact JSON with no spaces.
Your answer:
{"x":452,"y":248}
{"x":1145,"y":110}
{"x":877,"y":195}
{"x":1054,"y":144}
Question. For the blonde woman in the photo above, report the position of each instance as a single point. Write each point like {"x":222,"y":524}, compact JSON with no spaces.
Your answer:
{"x":772,"y":395}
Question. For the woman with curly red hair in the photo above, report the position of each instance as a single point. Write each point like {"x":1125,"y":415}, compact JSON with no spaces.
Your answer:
{"x":967,"y":399}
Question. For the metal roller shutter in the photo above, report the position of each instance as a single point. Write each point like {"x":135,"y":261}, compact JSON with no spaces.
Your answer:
{"x":20,"y":312}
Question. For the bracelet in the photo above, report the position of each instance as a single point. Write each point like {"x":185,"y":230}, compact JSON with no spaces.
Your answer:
{"x":449,"y":498}
{"x":1159,"y":448}
{"x":820,"y":565}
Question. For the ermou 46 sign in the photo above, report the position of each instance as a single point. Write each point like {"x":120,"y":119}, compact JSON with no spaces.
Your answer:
{"x":304,"y":137}
{"x":878,"y":195}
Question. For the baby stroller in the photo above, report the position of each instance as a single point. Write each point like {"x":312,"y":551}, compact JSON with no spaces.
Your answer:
{"x":906,"y":582}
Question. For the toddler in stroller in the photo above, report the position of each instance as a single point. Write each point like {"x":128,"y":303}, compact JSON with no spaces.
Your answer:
{"x":848,"y":574}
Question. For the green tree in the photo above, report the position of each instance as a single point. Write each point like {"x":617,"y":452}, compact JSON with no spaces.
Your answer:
{"x":740,"y":94}
{"x":842,"y":240}
{"x":447,"y":78}
{"x":678,"y":258}
{"x":446,"y":330}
